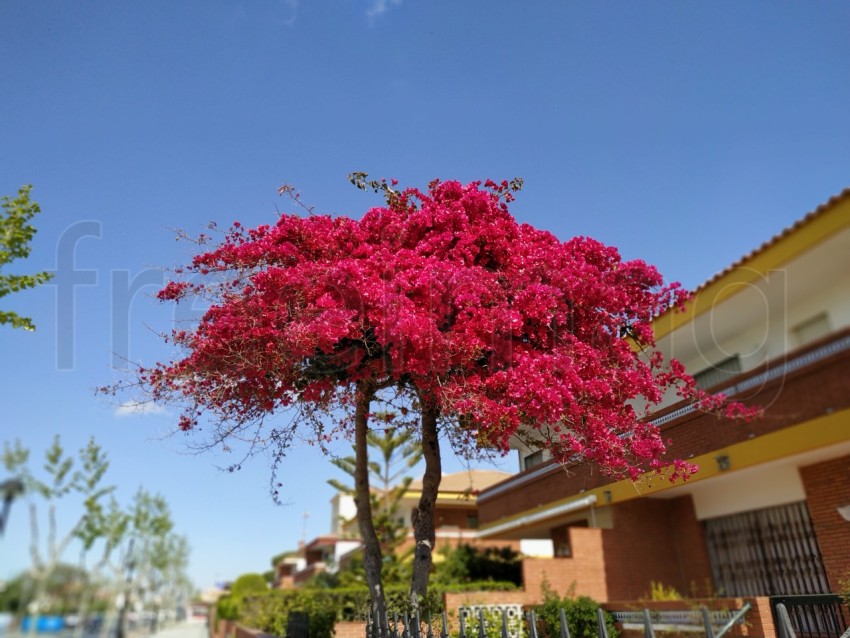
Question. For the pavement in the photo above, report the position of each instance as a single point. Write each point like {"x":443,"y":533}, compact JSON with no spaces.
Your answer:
{"x":179,"y":630}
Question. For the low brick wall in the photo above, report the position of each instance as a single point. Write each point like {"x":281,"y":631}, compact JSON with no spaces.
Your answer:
{"x":245,"y":632}
{"x":467,"y":598}
{"x":223,"y":629}
{"x":350,"y":629}
{"x":758,"y":621}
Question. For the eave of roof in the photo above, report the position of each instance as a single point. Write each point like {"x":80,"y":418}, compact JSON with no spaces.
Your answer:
{"x":824,"y":221}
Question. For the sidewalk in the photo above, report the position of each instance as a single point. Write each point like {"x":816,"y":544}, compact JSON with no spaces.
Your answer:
{"x":180,"y":630}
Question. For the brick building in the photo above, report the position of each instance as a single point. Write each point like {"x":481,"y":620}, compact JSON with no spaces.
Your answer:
{"x":767,"y":513}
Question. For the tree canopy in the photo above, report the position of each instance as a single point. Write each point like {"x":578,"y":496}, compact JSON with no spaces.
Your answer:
{"x":490,"y":329}
{"x":499,"y":324}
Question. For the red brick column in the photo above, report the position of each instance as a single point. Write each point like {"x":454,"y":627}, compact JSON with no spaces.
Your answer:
{"x":827,"y":486}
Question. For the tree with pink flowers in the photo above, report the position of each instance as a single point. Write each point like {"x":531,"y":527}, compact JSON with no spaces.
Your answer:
{"x":440,"y":305}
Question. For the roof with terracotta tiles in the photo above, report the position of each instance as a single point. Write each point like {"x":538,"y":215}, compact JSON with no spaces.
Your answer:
{"x":790,"y":230}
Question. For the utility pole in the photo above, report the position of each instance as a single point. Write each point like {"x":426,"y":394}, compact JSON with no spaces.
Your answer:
{"x":304,"y":528}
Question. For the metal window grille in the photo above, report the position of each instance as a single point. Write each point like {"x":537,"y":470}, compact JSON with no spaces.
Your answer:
{"x":766,"y":552}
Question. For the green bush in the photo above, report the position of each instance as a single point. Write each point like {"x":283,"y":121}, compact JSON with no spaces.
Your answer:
{"x":229,"y":607}
{"x":464,"y":564}
{"x":581,"y":616}
{"x":249,"y":585}
{"x":492,"y":625}
{"x":479,"y":585}
{"x":269,"y":611}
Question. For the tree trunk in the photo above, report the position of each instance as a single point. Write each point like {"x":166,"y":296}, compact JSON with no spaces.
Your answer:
{"x":372,"y":559}
{"x":423,"y":515}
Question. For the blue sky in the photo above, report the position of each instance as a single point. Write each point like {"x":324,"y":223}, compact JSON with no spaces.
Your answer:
{"x":685,"y":133}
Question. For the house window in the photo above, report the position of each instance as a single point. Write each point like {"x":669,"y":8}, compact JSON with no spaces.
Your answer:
{"x":718,"y":373}
{"x":767,"y":552}
{"x":812,"y":329}
{"x":472,"y":521}
{"x":536,"y":458}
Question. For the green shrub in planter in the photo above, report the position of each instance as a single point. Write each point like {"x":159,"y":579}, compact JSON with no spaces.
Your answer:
{"x":581,"y":616}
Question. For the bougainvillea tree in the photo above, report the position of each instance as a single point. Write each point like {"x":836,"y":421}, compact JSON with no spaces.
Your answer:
{"x":490,"y":330}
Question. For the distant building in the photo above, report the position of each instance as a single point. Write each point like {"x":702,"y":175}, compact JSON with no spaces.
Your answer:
{"x":456,"y":522}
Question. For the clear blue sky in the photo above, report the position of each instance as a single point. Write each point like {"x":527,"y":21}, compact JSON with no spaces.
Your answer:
{"x":685,"y":133}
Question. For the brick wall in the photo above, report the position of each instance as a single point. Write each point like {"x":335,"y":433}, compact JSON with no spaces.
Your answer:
{"x":827,"y":486}
{"x":653,"y":540}
{"x":352,"y":629}
{"x":583,"y":573}
{"x":691,"y":548}
{"x":467,"y":598}
{"x":453,"y":516}
{"x":246,"y":632}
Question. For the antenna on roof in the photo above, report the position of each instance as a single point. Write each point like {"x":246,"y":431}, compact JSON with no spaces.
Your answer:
{"x":304,"y":528}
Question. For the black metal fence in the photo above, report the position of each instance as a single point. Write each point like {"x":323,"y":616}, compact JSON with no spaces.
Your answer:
{"x":816,"y":616}
{"x":715,"y":624}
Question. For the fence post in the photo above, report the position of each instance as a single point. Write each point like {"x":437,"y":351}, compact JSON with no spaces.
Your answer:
{"x":462,"y":624}
{"x":648,"y":631}
{"x":445,"y":632}
{"x":601,"y":629}
{"x":532,"y":625}
{"x":504,"y":623}
{"x":481,"y":632}
{"x":565,"y":628}
{"x":785,"y":628}
{"x":706,"y":621}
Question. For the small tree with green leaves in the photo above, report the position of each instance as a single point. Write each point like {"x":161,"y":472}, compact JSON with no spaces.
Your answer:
{"x":65,"y":476}
{"x":110,"y":525}
{"x":154,"y":558}
{"x":16,"y":234}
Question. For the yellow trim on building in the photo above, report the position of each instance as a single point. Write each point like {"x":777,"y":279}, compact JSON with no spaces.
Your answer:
{"x":804,"y":437}
{"x":821,"y":227}
{"x":445,"y":498}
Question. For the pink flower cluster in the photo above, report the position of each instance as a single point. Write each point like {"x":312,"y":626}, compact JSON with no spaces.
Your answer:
{"x":501,"y":325}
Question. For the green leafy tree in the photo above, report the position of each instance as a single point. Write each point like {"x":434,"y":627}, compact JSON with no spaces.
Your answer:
{"x":64,"y":476}
{"x":16,"y":234}
{"x":109,"y":525}
{"x":154,"y":558}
